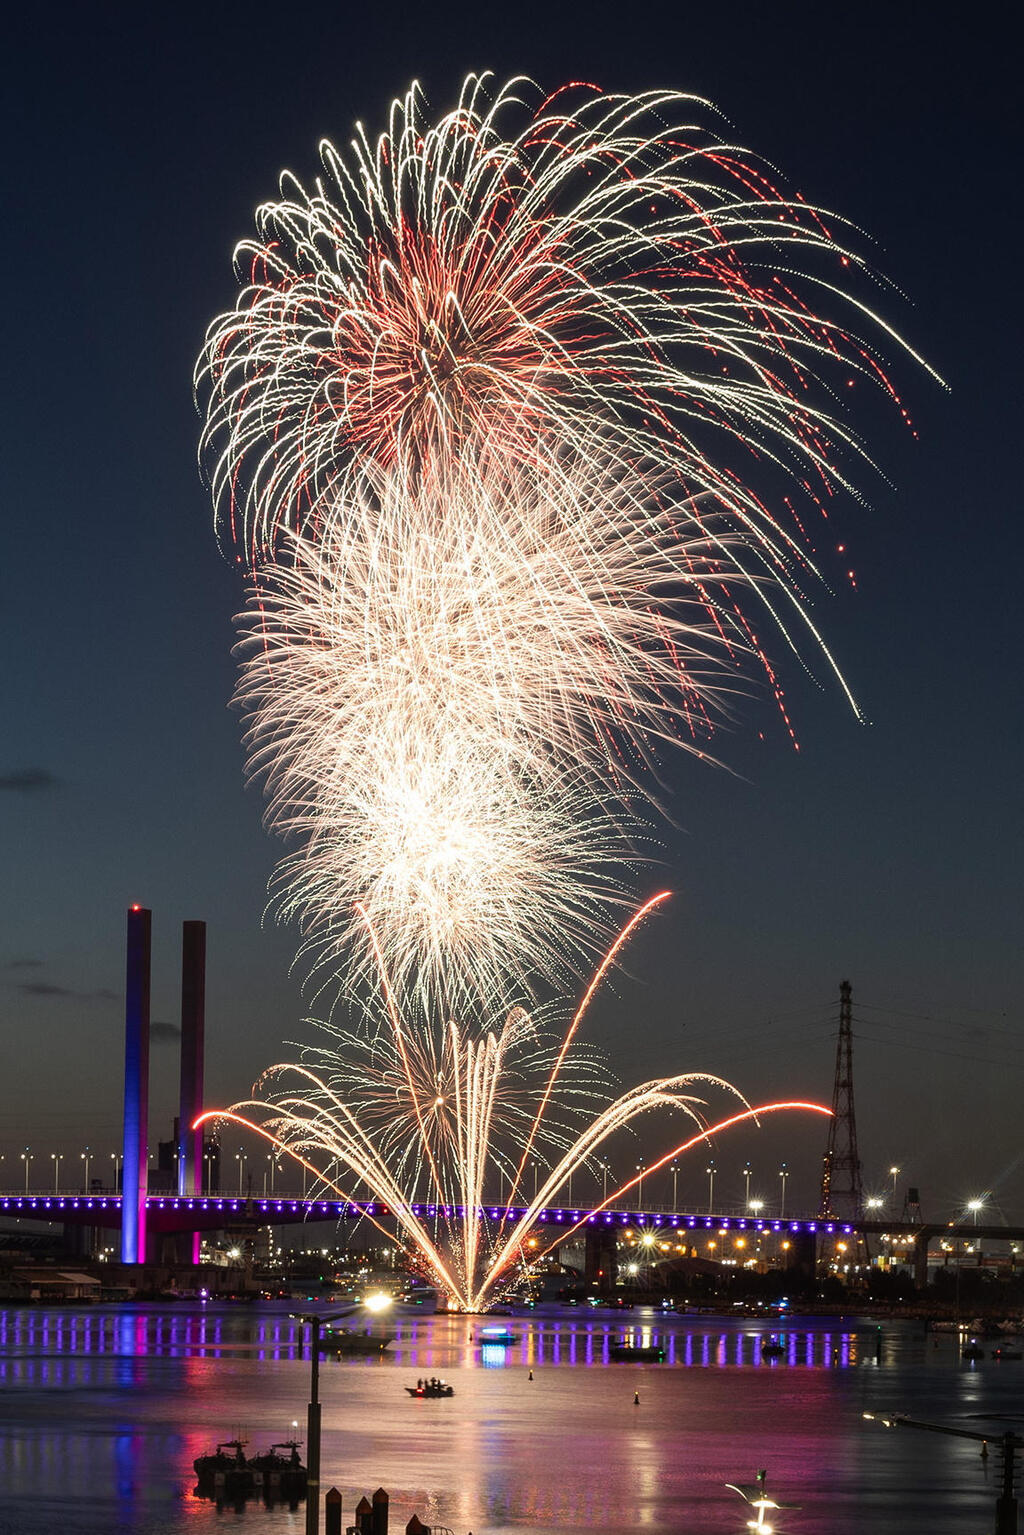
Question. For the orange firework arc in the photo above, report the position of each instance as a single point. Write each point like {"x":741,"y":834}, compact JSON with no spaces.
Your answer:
{"x":466,"y":1287}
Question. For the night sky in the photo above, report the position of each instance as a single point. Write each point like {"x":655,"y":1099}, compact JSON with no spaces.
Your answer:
{"x":138,"y":142}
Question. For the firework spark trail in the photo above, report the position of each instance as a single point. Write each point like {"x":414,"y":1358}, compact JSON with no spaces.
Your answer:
{"x":503,"y":275}
{"x":452,"y":701}
{"x":506,"y":421}
{"x":435,"y":1115}
{"x":515,"y":424}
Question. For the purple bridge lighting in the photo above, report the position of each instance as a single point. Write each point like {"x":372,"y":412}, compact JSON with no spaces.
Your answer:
{"x":167,"y":1213}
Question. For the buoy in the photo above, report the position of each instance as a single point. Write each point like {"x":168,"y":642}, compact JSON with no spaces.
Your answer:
{"x":530,"y":1376}
{"x":636,"y":1399}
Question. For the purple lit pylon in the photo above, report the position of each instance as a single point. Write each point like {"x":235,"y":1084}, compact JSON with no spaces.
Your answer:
{"x":135,"y":1160}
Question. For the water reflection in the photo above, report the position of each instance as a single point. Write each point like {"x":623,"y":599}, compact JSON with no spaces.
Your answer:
{"x":103,"y":1412}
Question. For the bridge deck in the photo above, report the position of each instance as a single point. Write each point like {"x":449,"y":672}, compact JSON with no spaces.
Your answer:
{"x":167,"y":1212}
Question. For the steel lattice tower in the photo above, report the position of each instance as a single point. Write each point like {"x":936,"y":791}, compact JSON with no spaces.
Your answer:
{"x":842,"y":1193}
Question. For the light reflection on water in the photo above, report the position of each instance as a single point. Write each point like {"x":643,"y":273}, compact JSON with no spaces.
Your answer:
{"x":104,"y":1409}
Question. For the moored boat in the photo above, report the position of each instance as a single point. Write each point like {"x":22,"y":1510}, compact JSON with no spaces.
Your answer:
{"x":230,"y":1467}
{"x":650,"y":1353}
{"x":431,"y":1388}
{"x":345,"y":1342}
{"x":285,"y":1467}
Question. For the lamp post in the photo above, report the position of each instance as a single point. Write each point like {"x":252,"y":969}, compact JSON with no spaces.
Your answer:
{"x":894,"y":1173}
{"x":86,"y":1157}
{"x":604,"y":1182}
{"x":640,"y":1185}
{"x":115,"y":1157}
{"x":783,"y":1174}
{"x":241,"y":1159}
{"x":675,"y":1185}
{"x":710,"y":1170}
{"x":26,"y":1157}
{"x":746,"y":1183}
{"x":314,"y":1323}
{"x":974,"y":1205}
{"x":57,"y":1158}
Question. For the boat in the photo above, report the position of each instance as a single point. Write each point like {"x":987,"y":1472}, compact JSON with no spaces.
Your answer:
{"x":346,"y":1342}
{"x":651,"y":1353}
{"x":286,"y":1468}
{"x":498,"y":1335}
{"x":773,"y":1349}
{"x":1007,"y":1353}
{"x":232,"y":1468}
{"x":431,"y":1388}
{"x":972,"y":1351}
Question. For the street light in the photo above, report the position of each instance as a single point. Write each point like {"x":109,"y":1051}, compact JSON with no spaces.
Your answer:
{"x":115,"y":1157}
{"x":873,"y":1202}
{"x":241,"y":1159}
{"x":640,"y":1185}
{"x":604,"y":1181}
{"x":894,"y":1173}
{"x":756,"y":1206}
{"x":86,"y":1156}
{"x":314,"y":1323}
{"x":974,"y":1205}
{"x":746,"y":1187}
{"x":710,"y":1170}
{"x":675,"y":1180}
{"x":783,"y":1174}
{"x":26,"y":1157}
{"x":56,"y":1157}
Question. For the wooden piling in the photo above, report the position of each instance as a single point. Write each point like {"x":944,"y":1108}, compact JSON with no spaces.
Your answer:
{"x":332,"y":1512}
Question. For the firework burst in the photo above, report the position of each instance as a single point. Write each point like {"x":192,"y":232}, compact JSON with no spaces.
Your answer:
{"x":515,"y":424}
{"x":453,"y":698}
{"x":502,"y":277}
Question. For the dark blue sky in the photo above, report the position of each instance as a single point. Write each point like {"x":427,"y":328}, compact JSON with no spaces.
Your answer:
{"x":137,"y":145}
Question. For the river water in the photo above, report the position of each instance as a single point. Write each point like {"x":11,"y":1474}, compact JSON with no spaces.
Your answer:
{"x":104,"y":1409}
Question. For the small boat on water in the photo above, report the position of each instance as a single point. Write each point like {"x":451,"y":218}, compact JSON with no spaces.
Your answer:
{"x":972,"y":1351}
{"x":431,"y":1388}
{"x":241,"y":1474}
{"x":346,"y":1342}
{"x":650,"y":1353}
{"x":285,"y":1467}
{"x":772,"y":1348}
{"x":1007,"y":1353}
{"x":228,"y":1463}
